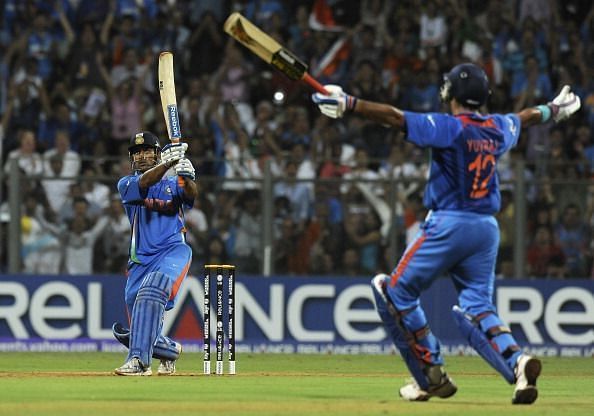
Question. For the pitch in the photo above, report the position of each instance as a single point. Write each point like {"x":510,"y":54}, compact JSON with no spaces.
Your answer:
{"x":275,"y":384}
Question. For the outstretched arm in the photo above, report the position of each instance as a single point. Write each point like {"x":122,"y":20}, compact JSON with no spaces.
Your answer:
{"x":561,"y":108}
{"x":338,"y":102}
{"x":382,"y":113}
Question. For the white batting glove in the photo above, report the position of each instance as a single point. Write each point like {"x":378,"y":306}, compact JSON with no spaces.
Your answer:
{"x":185,"y":168}
{"x":173,"y":152}
{"x":335,"y":104}
{"x":564,"y":104}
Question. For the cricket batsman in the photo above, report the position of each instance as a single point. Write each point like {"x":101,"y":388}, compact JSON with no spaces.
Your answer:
{"x":460,"y":236}
{"x":159,"y":257}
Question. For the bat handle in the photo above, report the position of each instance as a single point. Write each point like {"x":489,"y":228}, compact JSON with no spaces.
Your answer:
{"x":314,"y":84}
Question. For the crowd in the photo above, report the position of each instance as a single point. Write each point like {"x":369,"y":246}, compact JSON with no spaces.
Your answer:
{"x":78,"y":80}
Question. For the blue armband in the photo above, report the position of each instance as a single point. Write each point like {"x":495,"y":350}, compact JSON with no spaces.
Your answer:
{"x":546,"y":113}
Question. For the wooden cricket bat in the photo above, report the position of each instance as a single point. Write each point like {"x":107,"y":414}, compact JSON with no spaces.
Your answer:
{"x":269,"y":50}
{"x":168,"y":99}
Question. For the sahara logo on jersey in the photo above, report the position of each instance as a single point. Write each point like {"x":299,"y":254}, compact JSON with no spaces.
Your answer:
{"x":159,"y":205}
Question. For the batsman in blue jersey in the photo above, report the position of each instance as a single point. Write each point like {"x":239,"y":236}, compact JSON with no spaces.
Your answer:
{"x":460,"y":235}
{"x":159,"y":256}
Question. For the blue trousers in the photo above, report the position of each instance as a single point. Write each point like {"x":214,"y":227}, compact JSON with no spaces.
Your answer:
{"x":462,"y":245}
{"x":173,"y":262}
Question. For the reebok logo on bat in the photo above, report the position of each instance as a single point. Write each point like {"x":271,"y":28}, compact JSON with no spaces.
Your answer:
{"x":173,"y":121}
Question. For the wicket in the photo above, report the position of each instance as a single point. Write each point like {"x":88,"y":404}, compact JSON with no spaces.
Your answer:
{"x":220,"y":270}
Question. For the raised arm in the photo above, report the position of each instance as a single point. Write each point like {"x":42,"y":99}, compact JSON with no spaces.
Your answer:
{"x":152,"y":176}
{"x":561,"y":108}
{"x":338,"y":102}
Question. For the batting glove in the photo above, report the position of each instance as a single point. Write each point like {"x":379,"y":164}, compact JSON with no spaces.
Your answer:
{"x":185,"y":168}
{"x":173,"y":152}
{"x":564,"y":104}
{"x":335,"y":104}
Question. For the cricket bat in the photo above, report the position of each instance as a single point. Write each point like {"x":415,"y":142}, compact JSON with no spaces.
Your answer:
{"x":168,"y":99}
{"x":269,"y":50}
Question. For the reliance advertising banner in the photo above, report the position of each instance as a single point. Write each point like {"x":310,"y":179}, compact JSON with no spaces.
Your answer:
{"x":286,"y":314}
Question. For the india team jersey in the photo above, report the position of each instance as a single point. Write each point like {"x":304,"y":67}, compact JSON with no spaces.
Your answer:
{"x":156,"y":215}
{"x":464,"y":152}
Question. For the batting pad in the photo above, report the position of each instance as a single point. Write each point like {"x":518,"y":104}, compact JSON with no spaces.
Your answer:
{"x":478,"y":340}
{"x":164,"y":349}
{"x":147,"y":315}
{"x":396,"y":332}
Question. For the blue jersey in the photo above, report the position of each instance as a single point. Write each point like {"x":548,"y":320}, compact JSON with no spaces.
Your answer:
{"x":464,"y":152}
{"x":156,"y":215}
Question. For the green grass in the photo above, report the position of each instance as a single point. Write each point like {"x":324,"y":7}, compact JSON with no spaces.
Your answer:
{"x":269,"y":384}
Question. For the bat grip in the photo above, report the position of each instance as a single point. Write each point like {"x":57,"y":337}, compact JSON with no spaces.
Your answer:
{"x":314,"y":84}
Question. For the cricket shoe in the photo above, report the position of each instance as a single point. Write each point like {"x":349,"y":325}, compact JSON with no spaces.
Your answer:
{"x":167,"y":367}
{"x":133,"y":367}
{"x":442,"y":386}
{"x":527,"y":371}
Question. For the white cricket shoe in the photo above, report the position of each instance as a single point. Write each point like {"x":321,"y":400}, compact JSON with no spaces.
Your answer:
{"x":413,"y":393}
{"x":443,"y":387}
{"x":133,"y":367}
{"x":167,"y":367}
{"x":527,"y":371}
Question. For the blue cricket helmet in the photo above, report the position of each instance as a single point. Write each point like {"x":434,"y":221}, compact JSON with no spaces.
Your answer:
{"x":144,"y":139}
{"x":467,"y":83}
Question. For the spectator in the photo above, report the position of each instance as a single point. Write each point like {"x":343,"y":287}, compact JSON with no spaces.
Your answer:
{"x":197,"y":229}
{"x":433,"y":27}
{"x":24,"y":102}
{"x":532,"y":86}
{"x":28,"y":160}
{"x":83,"y":68}
{"x":298,"y":193}
{"x":77,"y":205}
{"x":233,"y":75}
{"x":41,"y":252}
{"x":361,"y":170}
{"x":248,"y":250}
{"x":71,"y":161}
{"x":573,"y":236}
{"x":126,"y":36}
{"x":544,"y":257}
{"x":95,"y":192}
{"x":77,"y":239}
{"x":205,"y":38}
{"x":113,"y":246}
{"x":55,"y":187}
{"x":126,"y":104}
{"x":60,"y":117}
{"x":363,"y":235}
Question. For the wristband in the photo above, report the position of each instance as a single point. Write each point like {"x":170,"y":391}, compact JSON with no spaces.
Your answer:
{"x":545,"y":112}
{"x":351,"y":102}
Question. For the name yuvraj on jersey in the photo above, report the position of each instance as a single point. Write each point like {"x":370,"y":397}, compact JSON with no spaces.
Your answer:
{"x":482,"y":145}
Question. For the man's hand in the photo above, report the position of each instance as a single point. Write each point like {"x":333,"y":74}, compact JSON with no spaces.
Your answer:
{"x":335,"y":104}
{"x":185,"y":168}
{"x":564,"y":104}
{"x":173,"y":152}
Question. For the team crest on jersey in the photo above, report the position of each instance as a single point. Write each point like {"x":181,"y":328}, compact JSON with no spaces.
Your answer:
{"x":168,"y":190}
{"x":139,"y":138}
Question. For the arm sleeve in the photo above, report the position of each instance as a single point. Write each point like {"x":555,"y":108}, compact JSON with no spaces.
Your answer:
{"x":510,"y":125}
{"x":187,"y":203}
{"x":129,"y":189}
{"x":431,"y":130}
